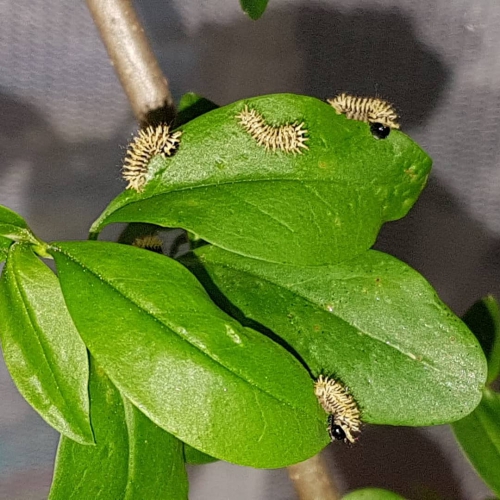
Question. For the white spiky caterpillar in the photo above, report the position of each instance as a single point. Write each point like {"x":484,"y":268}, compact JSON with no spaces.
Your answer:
{"x":148,"y":143}
{"x":366,"y":109}
{"x":341,"y":407}
{"x":290,"y":138}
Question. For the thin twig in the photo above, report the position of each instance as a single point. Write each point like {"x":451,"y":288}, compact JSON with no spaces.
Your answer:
{"x":312,"y":480}
{"x":133,"y":59}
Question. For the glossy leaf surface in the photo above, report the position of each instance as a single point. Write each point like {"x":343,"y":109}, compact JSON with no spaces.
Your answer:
{"x":41,"y":346}
{"x":254,"y":8}
{"x":479,"y":437}
{"x":372,"y":322}
{"x":133,"y":458}
{"x":224,"y":389}
{"x":318,"y":207}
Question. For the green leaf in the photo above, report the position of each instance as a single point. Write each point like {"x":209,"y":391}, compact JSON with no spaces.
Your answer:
{"x":483,"y":318}
{"x":194,"y":371}
{"x":191,"y":106}
{"x":16,"y":233}
{"x":12,"y":227}
{"x":4,"y":247}
{"x":42,"y":349}
{"x":318,"y":207}
{"x":479,"y":437}
{"x":133,"y":458}
{"x":254,"y":8}
{"x":373,"y":322}
{"x":7,"y":216}
{"x":372,"y":494}
{"x":193,"y":456}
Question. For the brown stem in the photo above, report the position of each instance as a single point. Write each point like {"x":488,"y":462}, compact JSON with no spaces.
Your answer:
{"x":312,"y":481}
{"x":133,"y":59}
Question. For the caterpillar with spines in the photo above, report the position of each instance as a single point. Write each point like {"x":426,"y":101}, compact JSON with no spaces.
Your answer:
{"x":343,"y":411}
{"x":149,"y":242}
{"x":290,"y":138}
{"x":148,"y":143}
{"x":366,"y":109}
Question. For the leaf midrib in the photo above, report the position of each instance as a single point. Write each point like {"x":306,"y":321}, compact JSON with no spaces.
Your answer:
{"x":166,"y":325}
{"x":316,"y":305}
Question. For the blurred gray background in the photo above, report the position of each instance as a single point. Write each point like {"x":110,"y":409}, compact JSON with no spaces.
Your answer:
{"x":65,"y":122}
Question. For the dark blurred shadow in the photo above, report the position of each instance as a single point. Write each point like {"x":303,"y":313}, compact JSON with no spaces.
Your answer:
{"x":21,"y":131}
{"x":401,"y":459}
{"x":371,"y":52}
{"x":321,"y":51}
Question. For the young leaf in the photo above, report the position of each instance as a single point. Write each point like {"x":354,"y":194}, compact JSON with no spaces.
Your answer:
{"x":254,"y":8}
{"x":479,"y":437}
{"x":320,"y":206}
{"x":42,"y":349}
{"x":193,"y":456}
{"x":12,"y":227}
{"x":372,"y":494}
{"x":194,"y":371}
{"x":133,"y":458}
{"x":483,"y":318}
{"x":191,"y":106}
{"x":9,"y":217}
{"x":373,"y":322}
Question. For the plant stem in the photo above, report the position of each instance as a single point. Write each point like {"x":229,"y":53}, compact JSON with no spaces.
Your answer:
{"x":133,"y":59}
{"x":312,"y":481}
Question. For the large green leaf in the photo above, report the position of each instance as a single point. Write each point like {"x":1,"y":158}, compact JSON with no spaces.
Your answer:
{"x":42,"y":349}
{"x":372,"y":494}
{"x":479,"y":436}
{"x":133,"y":458}
{"x":254,"y":8}
{"x":319,"y":207}
{"x":483,"y":318}
{"x":373,"y":322}
{"x":223,"y":389}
